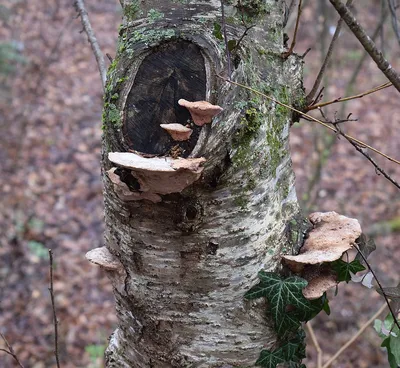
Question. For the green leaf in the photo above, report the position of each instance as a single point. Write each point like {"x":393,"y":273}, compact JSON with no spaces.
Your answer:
{"x":217,"y":31}
{"x":38,"y":249}
{"x":292,"y":352}
{"x":343,"y":269}
{"x":287,"y":304}
{"x":366,"y":246}
{"x":231,"y":45}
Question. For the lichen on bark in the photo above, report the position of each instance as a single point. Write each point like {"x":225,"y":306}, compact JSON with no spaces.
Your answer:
{"x":190,"y":258}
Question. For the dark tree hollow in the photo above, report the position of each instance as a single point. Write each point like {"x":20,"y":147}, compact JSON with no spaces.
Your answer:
{"x":172,"y":71}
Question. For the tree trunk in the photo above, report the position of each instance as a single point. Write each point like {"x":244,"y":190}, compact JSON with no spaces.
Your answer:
{"x":190,"y":240}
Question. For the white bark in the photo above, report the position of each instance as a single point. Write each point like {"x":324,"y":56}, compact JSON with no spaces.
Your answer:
{"x":190,"y":258}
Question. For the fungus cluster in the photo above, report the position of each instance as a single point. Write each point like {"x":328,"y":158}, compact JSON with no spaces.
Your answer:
{"x":332,"y":235}
{"x":162,"y":175}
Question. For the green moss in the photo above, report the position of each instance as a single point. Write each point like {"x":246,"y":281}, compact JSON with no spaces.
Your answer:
{"x":132,"y":10}
{"x":152,"y":35}
{"x":154,"y":15}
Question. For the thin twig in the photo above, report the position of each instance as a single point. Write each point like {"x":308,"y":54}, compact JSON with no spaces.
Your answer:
{"x":10,"y":350}
{"x":354,"y":338}
{"x":286,"y":54}
{"x":367,"y":43}
{"x":55,"y":320}
{"x":372,"y":161}
{"x":361,"y":143}
{"x":395,"y":25}
{"x":340,"y":99}
{"x":379,"y":285}
{"x":80,"y":8}
{"x":327,"y":59}
{"x":228,"y":54}
{"x":316,"y":344}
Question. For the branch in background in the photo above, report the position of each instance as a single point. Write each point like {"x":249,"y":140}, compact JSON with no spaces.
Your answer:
{"x":359,"y":149}
{"x":355,"y":140}
{"x":55,"y":320}
{"x":395,"y":25}
{"x":357,"y":70}
{"x":286,"y":54}
{"x":316,"y":344}
{"x":359,"y":333}
{"x":80,"y":8}
{"x":328,"y":56}
{"x":10,"y":351}
{"x":340,"y":99}
{"x":367,"y":43}
{"x":382,"y":292}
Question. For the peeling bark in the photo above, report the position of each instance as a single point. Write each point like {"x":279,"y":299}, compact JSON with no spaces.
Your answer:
{"x":190,"y":257}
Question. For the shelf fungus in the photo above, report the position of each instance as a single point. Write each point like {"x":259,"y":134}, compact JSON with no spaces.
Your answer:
{"x":332,"y":235}
{"x":202,"y":112}
{"x":103,"y":258}
{"x":178,"y":132}
{"x":155,"y":176}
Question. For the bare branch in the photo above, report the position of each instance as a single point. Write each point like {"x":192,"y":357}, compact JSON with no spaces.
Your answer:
{"x":379,"y":285}
{"x":378,"y":169}
{"x":10,"y":351}
{"x":286,"y":54}
{"x":355,"y":140}
{"x":340,"y":99}
{"x":367,"y":43}
{"x":354,"y":338}
{"x":395,"y":25}
{"x":328,"y":56}
{"x":55,"y":320}
{"x":80,"y":8}
{"x":316,"y":344}
{"x":228,"y":54}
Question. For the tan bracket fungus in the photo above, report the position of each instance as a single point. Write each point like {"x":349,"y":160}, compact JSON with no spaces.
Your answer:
{"x":332,"y":235}
{"x":202,"y":112}
{"x":158,"y":175}
{"x":178,"y":132}
{"x":103,"y":258}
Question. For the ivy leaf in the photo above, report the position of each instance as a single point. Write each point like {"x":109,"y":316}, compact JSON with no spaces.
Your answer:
{"x":286,"y":301}
{"x":217,"y":31}
{"x":366,"y":247}
{"x":343,"y":269}
{"x":292,"y":352}
{"x":392,"y":293}
{"x":231,"y":45}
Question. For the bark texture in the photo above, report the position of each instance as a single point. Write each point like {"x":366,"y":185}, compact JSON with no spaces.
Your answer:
{"x":188,"y":259}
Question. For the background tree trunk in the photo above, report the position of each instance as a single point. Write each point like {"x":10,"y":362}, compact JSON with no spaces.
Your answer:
{"x":189,"y":258}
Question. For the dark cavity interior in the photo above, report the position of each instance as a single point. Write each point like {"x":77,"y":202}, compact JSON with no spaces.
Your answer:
{"x":172,"y":71}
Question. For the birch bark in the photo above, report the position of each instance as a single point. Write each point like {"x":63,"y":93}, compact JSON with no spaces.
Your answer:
{"x":187,"y":260}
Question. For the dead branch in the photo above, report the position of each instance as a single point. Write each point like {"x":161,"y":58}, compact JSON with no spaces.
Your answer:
{"x":343,"y":99}
{"x":286,"y":54}
{"x":378,"y":169}
{"x":354,"y":338}
{"x":395,"y":25}
{"x":328,"y":56}
{"x":367,"y":43}
{"x":80,"y":8}
{"x":311,"y":118}
{"x":10,"y":351}
{"x":55,"y":320}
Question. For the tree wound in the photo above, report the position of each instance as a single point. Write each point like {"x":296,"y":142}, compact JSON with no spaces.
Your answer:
{"x":172,"y":71}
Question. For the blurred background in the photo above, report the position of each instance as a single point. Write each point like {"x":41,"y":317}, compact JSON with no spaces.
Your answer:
{"x":51,"y":190}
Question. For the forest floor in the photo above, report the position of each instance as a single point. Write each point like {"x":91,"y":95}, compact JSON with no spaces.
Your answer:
{"x":51,"y":190}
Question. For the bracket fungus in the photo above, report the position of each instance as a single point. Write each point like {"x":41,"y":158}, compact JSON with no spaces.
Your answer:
{"x":159,"y":175}
{"x":202,"y":112}
{"x":178,"y":132}
{"x":332,"y":235}
{"x":123,"y":192}
{"x":103,"y":258}
{"x":318,"y":284}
